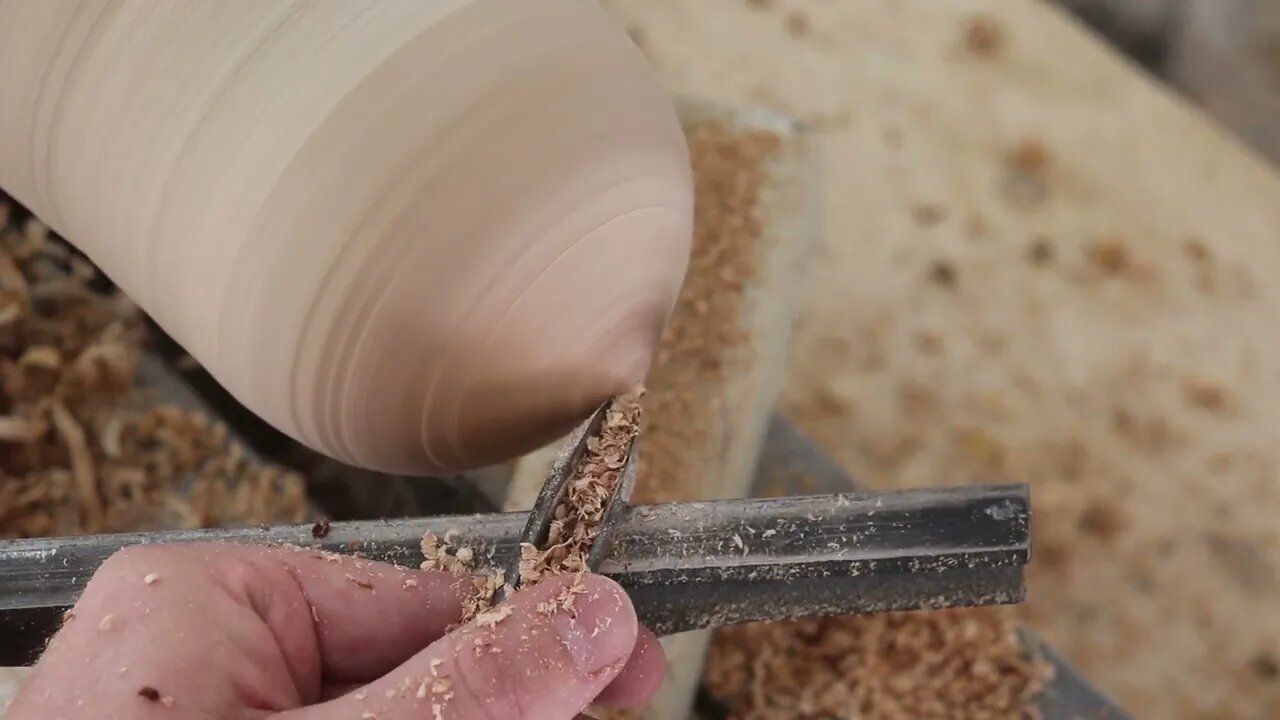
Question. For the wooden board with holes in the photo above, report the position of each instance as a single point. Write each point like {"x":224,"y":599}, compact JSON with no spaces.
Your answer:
{"x":1038,"y":265}
{"x":721,"y":361}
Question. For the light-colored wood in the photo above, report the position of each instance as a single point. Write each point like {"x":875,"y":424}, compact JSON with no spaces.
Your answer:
{"x":747,"y":394}
{"x":1156,"y":500}
{"x":374,"y":222}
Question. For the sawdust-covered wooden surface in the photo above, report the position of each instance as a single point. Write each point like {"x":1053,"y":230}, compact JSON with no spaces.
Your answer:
{"x":1038,"y":266}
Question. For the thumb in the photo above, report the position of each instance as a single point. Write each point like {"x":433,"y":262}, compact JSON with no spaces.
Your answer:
{"x":543,"y":655}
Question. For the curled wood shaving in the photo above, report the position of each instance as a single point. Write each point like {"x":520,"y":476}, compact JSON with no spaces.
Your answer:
{"x":486,"y":586}
{"x":82,"y":448}
{"x":491,"y":617}
{"x":81,"y":466}
{"x":576,"y":522}
{"x":22,"y":430}
{"x":564,"y":599}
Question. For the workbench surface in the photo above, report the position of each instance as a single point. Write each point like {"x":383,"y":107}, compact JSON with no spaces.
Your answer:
{"x":1038,"y":266}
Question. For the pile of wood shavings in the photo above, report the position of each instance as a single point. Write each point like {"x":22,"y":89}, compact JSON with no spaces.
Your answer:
{"x":82,"y":450}
{"x":947,"y":665}
{"x":595,"y":480}
{"x":705,"y":340}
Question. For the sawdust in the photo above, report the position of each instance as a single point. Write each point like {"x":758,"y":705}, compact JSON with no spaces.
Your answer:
{"x":704,"y":341}
{"x":949,"y":665}
{"x":957,"y":664}
{"x":563,"y":600}
{"x":82,"y":449}
{"x":594,"y":482}
{"x":447,"y":555}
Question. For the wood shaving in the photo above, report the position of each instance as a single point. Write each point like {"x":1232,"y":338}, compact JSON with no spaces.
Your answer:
{"x":82,"y":448}
{"x":446,"y":555}
{"x":947,"y":665}
{"x":440,"y":688}
{"x":107,"y":623}
{"x":595,"y":480}
{"x":151,"y":579}
{"x":493,"y":616}
{"x":564,"y":599}
{"x":364,"y":583}
{"x":486,"y":587}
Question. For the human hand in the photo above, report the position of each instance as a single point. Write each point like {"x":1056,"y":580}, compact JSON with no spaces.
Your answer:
{"x":231,"y":631}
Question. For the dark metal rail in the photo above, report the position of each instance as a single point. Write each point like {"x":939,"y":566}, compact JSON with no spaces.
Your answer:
{"x":686,"y":566}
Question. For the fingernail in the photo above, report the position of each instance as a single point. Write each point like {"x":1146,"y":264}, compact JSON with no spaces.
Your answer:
{"x":599,"y":627}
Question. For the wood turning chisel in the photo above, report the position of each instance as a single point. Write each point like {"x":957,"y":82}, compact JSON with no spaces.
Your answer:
{"x":686,"y":566}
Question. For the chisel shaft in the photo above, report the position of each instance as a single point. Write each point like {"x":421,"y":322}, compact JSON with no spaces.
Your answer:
{"x":686,"y":565}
